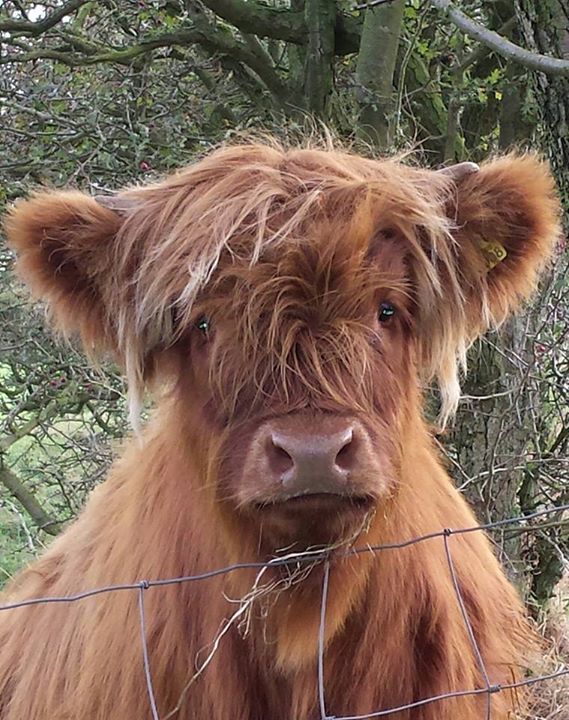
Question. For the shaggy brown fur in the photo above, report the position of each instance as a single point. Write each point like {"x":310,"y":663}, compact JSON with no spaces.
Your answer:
{"x":245,"y":290}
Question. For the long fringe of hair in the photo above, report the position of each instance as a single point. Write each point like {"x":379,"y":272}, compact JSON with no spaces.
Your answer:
{"x":238,"y":202}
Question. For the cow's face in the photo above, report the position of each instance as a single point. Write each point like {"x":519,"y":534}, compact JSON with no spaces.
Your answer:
{"x":303,"y":365}
{"x":295,"y":301}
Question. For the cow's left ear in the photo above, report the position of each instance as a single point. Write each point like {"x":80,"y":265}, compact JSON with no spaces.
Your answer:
{"x":506,"y":218}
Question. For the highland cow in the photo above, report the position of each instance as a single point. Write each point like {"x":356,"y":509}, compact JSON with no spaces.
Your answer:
{"x":286,"y":307}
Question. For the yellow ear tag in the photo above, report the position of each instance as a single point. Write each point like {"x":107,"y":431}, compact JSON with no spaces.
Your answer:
{"x":493,"y":252}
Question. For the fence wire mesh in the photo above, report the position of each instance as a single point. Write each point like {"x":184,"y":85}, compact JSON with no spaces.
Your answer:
{"x":524,"y":523}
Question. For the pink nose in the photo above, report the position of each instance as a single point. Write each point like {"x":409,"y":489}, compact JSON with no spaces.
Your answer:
{"x":312,"y":463}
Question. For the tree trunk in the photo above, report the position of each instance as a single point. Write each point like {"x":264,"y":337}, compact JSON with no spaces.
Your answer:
{"x":375,"y":70}
{"x":544,"y":29}
{"x":320,"y":18}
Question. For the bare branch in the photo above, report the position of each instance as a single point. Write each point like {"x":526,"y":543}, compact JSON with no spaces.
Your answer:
{"x":37,"y":28}
{"x":17,"y":488}
{"x":480,"y":52}
{"x":123,"y":56}
{"x":501,"y":45}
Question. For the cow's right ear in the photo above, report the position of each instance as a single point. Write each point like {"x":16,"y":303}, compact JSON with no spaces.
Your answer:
{"x":65,"y":247}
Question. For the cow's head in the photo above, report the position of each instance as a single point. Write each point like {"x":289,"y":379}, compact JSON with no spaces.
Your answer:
{"x":293,"y":302}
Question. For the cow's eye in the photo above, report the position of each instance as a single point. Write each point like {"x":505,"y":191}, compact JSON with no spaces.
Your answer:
{"x":386,"y":312}
{"x":203,"y":324}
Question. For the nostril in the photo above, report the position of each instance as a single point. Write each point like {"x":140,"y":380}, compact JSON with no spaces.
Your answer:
{"x":346,"y":455}
{"x":280,"y":460}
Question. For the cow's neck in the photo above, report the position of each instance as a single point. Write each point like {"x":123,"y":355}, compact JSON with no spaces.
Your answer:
{"x":280,"y":638}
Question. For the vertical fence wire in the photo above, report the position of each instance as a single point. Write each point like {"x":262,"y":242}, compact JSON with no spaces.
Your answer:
{"x":146,"y":662}
{"x":322,"y":640}
{"x":464,"y":612}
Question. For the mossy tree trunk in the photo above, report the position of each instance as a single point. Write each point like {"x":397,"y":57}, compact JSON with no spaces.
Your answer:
{"x":320,"y":16}
{"x":375,"y":71}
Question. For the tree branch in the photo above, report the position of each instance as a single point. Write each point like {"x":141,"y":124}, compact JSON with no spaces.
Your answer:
{"x":213,"y":38}
{"x":249,"y":17}
{"x":37,"y":28}
{"x":123,"y":56}
{"x":262,"y":20}
{"x":320,"y":19}
{"x":492,"y":39}
{"x":16,"y":487}
{"x":482,"y":51}
{"x":284,"y":24}
{"x":501,"y":45}
{"x":258,"y":49}
{"x":50,"y":411}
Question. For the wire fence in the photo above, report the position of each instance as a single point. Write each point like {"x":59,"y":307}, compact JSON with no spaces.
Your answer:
{"x":524,"y":524}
